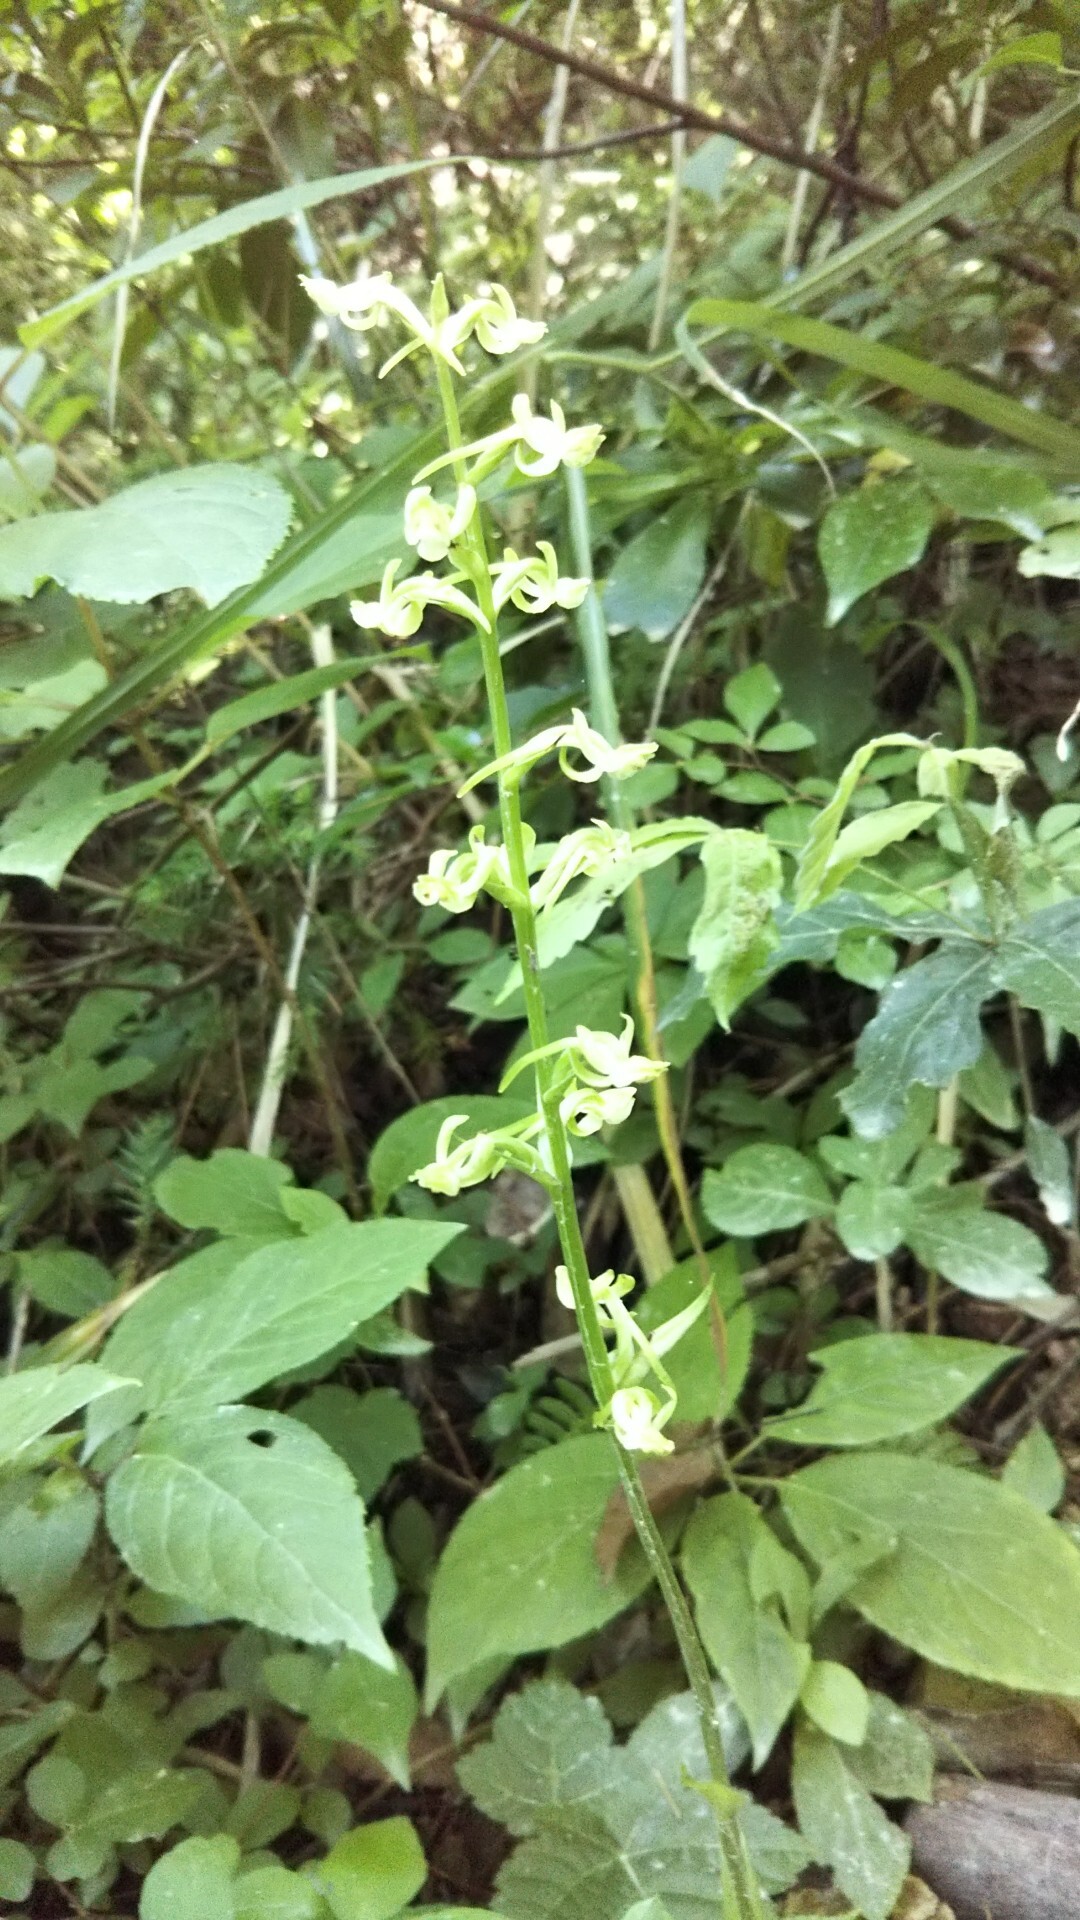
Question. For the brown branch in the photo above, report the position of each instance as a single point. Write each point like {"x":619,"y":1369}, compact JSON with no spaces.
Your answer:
{"x":785,"y":151}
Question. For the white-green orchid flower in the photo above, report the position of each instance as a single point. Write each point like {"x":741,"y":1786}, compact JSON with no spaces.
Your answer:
{"x":455,"y":880}
{"x":601,"y":758}
{"x":534,"y":584}
{"x":585,"y":1110}
{"x":605,"y":1060}
{"x":431,"y":527}
{"x":500,"y":328}
{"x":587,"y":851}
{"x":549,"y":440}
{"x":399,"y":609}
{"x":465,"y":1165}
{"x":636,"y":1418}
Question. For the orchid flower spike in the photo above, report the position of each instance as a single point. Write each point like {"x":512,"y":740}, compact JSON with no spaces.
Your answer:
{"x":431,"y":527}
{"x":400,"y":609}
{"x":552,"y":443}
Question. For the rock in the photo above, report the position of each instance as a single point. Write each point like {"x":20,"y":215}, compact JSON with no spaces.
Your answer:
{"x":1000,"y":1851}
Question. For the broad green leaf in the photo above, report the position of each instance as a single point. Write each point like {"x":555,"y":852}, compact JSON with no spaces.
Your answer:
{"x":979,"y":1580}
{"x":373,"y":1871}
{"x":372,"y":1432}
{"x":763,"y":1188}
{"x":751,"y":696}
{"x":231,"y":1192}
{"x":39,"y":1398}
{"x":748,"y":1643}
{"x":926,"y":1029}
{"x":22,"y":1739}
{"x":1039,"y":961}
{"x":193,"y":1881}
{"x":883,"y":1385}
{"x":18,"y":1868}
{"x":706,"y":1390}
{"x":871,"y":1219}
{"x":44,"y":1538}
{"x":24,"y":477}
{"x":869,"y":835}
{"x":985,"y":1254}
{"x":519,"y":1573}
{"x":940,"y":386}
{"x":1034,"y":1470}
{"x":65,"y":1280}
{"x":896,"y":1759}
{"x":47,"y":828}
{"x":1051,"y":1169}
{"x":846,"y":1828}
{"x":1028,"y":49}
{"x":551,"y":1747}
{"x":657,"y":575}
{"x":351,"y":1699}
{"x":871,"y":534}
{"x":246,"y":1514}
{"x":210,"y":233}
{"x":408,"y":1143}
{"x":210,"y":528}
{"x":835,"y":1699}
{"x":734,"y":933}
{"x":274,"y":1893}
{"x":210,"y":1330}
{"x":978,"y":486}
{"x":821,"y":840}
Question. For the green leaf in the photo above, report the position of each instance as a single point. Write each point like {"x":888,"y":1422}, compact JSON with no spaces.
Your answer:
{"x":246,"y":1514}
{"x":706,"y":1391}
{"x":869,"y":835}
{"x":219,"y":1325}
{"x":761,"y":1189}
{"x":882,"y":1385}
{"x":871,"y":534}
{"x":350,"y":1699}
{"x":408,"y":1143}
{"x":210,"y":528}
{"x":751,"y":696}
{"x":282,"y":696}
{"x":193,"y":1881}
{"x":658,"y":574}
{"x":940,"y":386}
{"x":65,"y":1280}
{"x":747,"y":1642}
{"x":1051,"y":1169}
{"x":835,"y":1699}
{"x":871,"y":1220}
{"x":1034,"y":1470}
{"x":821,"y":840}
{"x":1056,"y":556}
{"x":519,"y":1573}
{"x":49,"y":825}
{"x":231,"y":1192}
{"x":846,"y":1828}
{"x":926,"y":1029}
{"x":39,"y":1398}
{"x":135,"y":1806}
{"x":44,"y":1538}
{"x":985,"y":1254}
{"x":210,"y":233}
{"x":551,"y":1746}
{"x":979,"y":1580}
{"x":978,"y":486}
{"x":1038,"y":49}
{"x":734,"y":933}
{"x":273,"y":1893}
{"x":896,"y":1759}
{"x":372,"y":1431}
{"x":373,"y":1871}
{"x":1039,"y":961}
{"x":17,"y":1870}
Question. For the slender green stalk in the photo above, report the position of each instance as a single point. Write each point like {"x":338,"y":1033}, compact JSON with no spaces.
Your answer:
{"x":742,"y":1899}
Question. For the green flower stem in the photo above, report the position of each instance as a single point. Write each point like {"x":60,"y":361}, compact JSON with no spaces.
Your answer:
{"x":744,"y":1902}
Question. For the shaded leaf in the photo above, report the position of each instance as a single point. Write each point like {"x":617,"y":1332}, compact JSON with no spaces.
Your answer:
{"x":734,"y":933}
{"x":926,"y":1029}
{"x":869,"y":535}
{"x":762,"y":1188}
{"x":886,"y":1384}
{"x":657,"y":575}
{"x":846,"y":1828}
{"x":39,"y":1398}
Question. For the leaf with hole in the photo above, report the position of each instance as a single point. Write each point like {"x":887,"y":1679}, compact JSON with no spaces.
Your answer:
{"x":246,"y":1514}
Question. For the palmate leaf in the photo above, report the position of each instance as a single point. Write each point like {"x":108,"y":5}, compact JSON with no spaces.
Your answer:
{"x":246,"y":1514}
